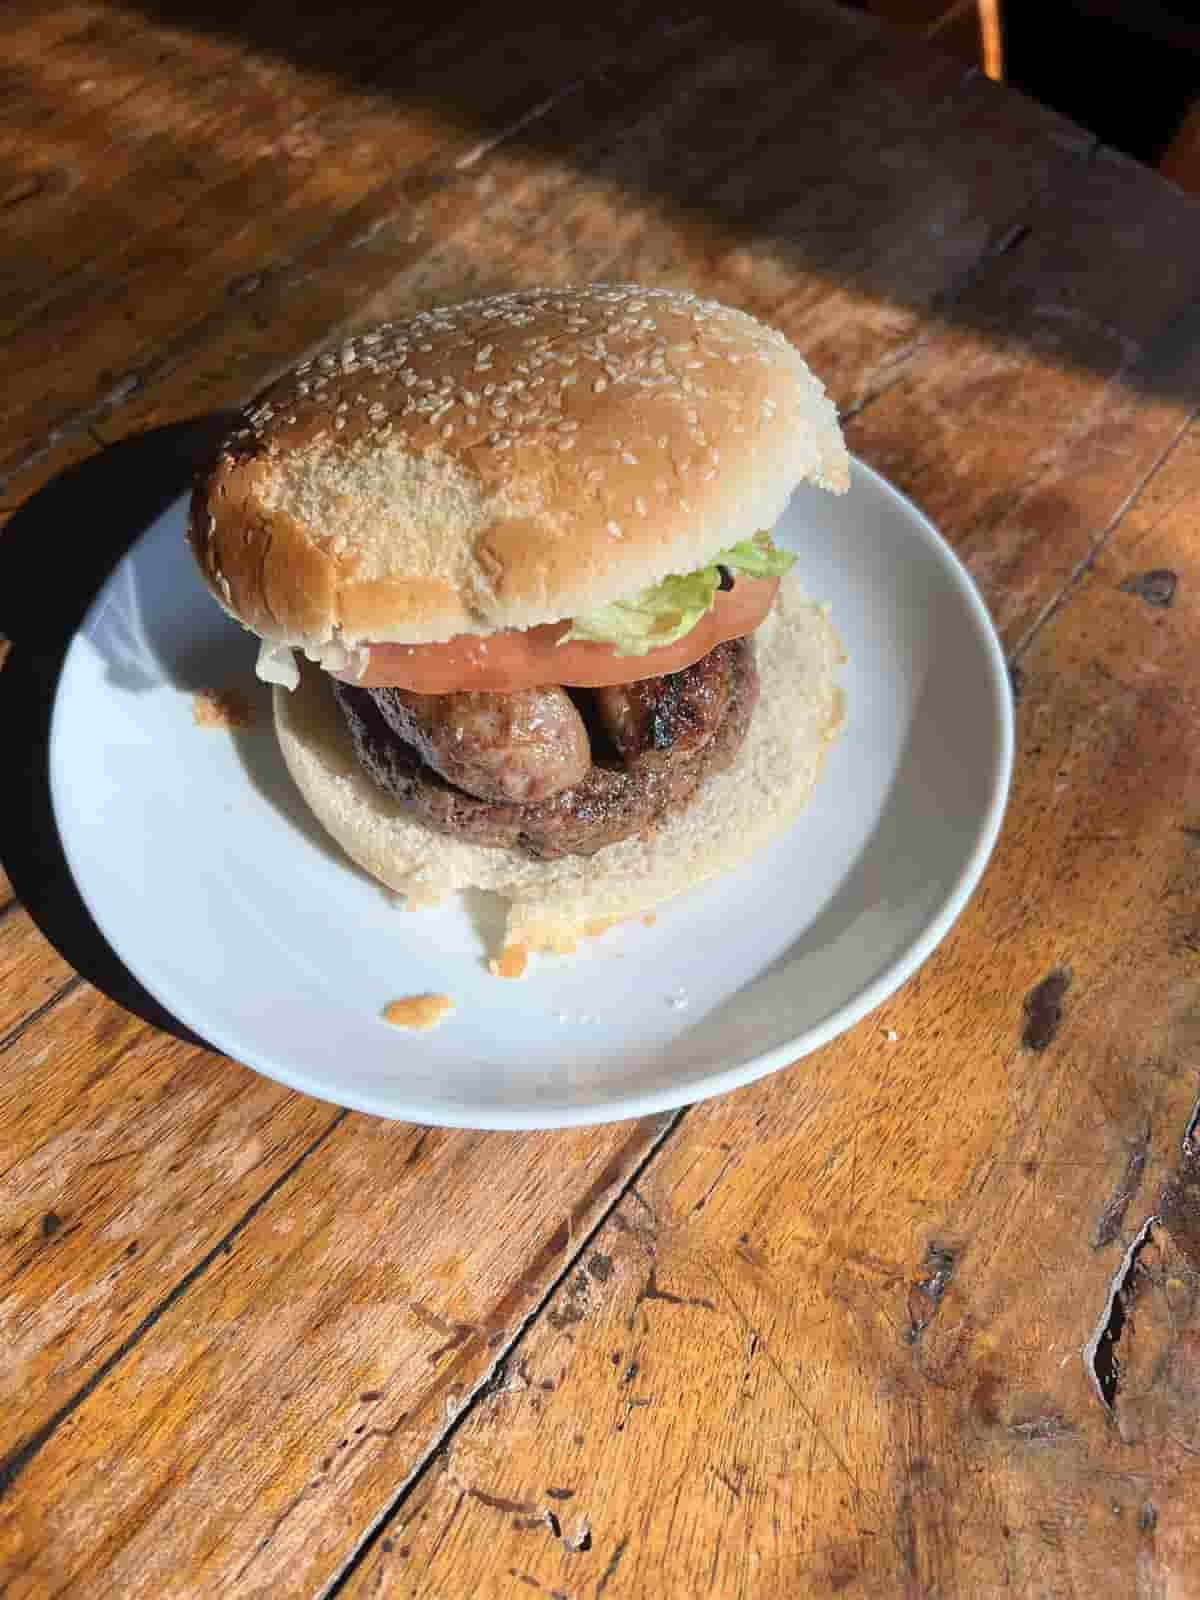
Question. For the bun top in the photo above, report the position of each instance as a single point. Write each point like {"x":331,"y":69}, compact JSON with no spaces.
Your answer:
{"x":511,"y":461}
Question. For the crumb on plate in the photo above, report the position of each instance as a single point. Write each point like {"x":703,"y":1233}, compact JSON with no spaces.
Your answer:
{"x":418,"y":1010}
{"x":221,"y":708}
{"x":513,"y":960}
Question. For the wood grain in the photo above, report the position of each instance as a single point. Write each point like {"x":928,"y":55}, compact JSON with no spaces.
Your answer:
{"x":313,"y":1365}
{"x":832,"y":1343}
{"x":234,"y":197}
{"x":137,"y":1154}
{"x":832,"y":1340}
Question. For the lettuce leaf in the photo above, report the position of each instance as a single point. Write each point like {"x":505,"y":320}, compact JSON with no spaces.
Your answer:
{"x":757,"y":558}
{"x":666,"y":611}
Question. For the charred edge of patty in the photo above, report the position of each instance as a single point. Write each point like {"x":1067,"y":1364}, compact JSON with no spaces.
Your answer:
{"x":613,"y":802}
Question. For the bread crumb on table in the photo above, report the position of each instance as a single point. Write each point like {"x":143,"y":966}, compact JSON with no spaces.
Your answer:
{"x":221,"y":708}
{"x":418,"y":1010}
{"x":514,"y":959}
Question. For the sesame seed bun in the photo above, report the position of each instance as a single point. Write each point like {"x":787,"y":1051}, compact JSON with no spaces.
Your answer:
{"x":508,"y":462}
{"x":552,"y":903}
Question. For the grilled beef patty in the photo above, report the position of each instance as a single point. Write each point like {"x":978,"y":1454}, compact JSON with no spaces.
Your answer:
{"x":621,"y":795}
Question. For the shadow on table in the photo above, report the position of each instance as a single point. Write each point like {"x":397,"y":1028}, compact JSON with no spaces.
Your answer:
{"x":56,"y":553}
{"x":783,"y":137}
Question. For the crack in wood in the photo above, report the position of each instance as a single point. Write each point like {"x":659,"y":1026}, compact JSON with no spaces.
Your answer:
{"x":14,"y":1033}
{"x":610,"y":1570}
{"x":1100,"y":1352}
{"x":1010,"y":239}
{"x":493,"y":1381}
{"x":926,"y":1293}
{"x":1083,"y":566}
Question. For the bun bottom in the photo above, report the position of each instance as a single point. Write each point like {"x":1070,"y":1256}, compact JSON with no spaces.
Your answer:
{"x":553,"y":903}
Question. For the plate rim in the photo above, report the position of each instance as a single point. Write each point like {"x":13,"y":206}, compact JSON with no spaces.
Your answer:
{"x":687,"y":1091}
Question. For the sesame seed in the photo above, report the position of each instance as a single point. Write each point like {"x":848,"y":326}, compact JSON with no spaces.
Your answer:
{"x":600,"y":385}
{"x":639,"y":505}
{"x":566,"y":444}
{"x":448,"y":429}
{"x":614,"y":528}
{"x":628,"y":457}
{"x":339,"y":423}
{"x":569,"y":426}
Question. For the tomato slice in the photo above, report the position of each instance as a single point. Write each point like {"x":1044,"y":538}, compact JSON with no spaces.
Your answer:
{"x":526,"y":658}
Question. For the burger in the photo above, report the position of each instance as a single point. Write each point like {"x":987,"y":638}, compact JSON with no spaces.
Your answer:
{"x":511,"y":567}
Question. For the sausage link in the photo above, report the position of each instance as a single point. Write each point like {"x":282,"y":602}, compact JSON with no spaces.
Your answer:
{"x":520,"y":747}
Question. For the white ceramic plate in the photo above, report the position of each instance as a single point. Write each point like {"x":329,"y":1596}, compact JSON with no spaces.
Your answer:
{"x":208,"y":876}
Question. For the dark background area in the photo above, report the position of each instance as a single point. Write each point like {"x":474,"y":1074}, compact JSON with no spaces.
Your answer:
{"x":1127,"y":70}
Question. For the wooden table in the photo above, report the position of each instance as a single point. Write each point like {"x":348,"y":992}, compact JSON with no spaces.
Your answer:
{"x":919,"y":1316}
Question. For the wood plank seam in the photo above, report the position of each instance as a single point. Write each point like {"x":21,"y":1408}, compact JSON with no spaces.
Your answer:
{"x":18,"y":1459}
{"x":135,"y":380}
{"x":1088,"y":561}
{"x":493,"y":1379}
{"x":68,"y":988}
{"x":1003,"y":243}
